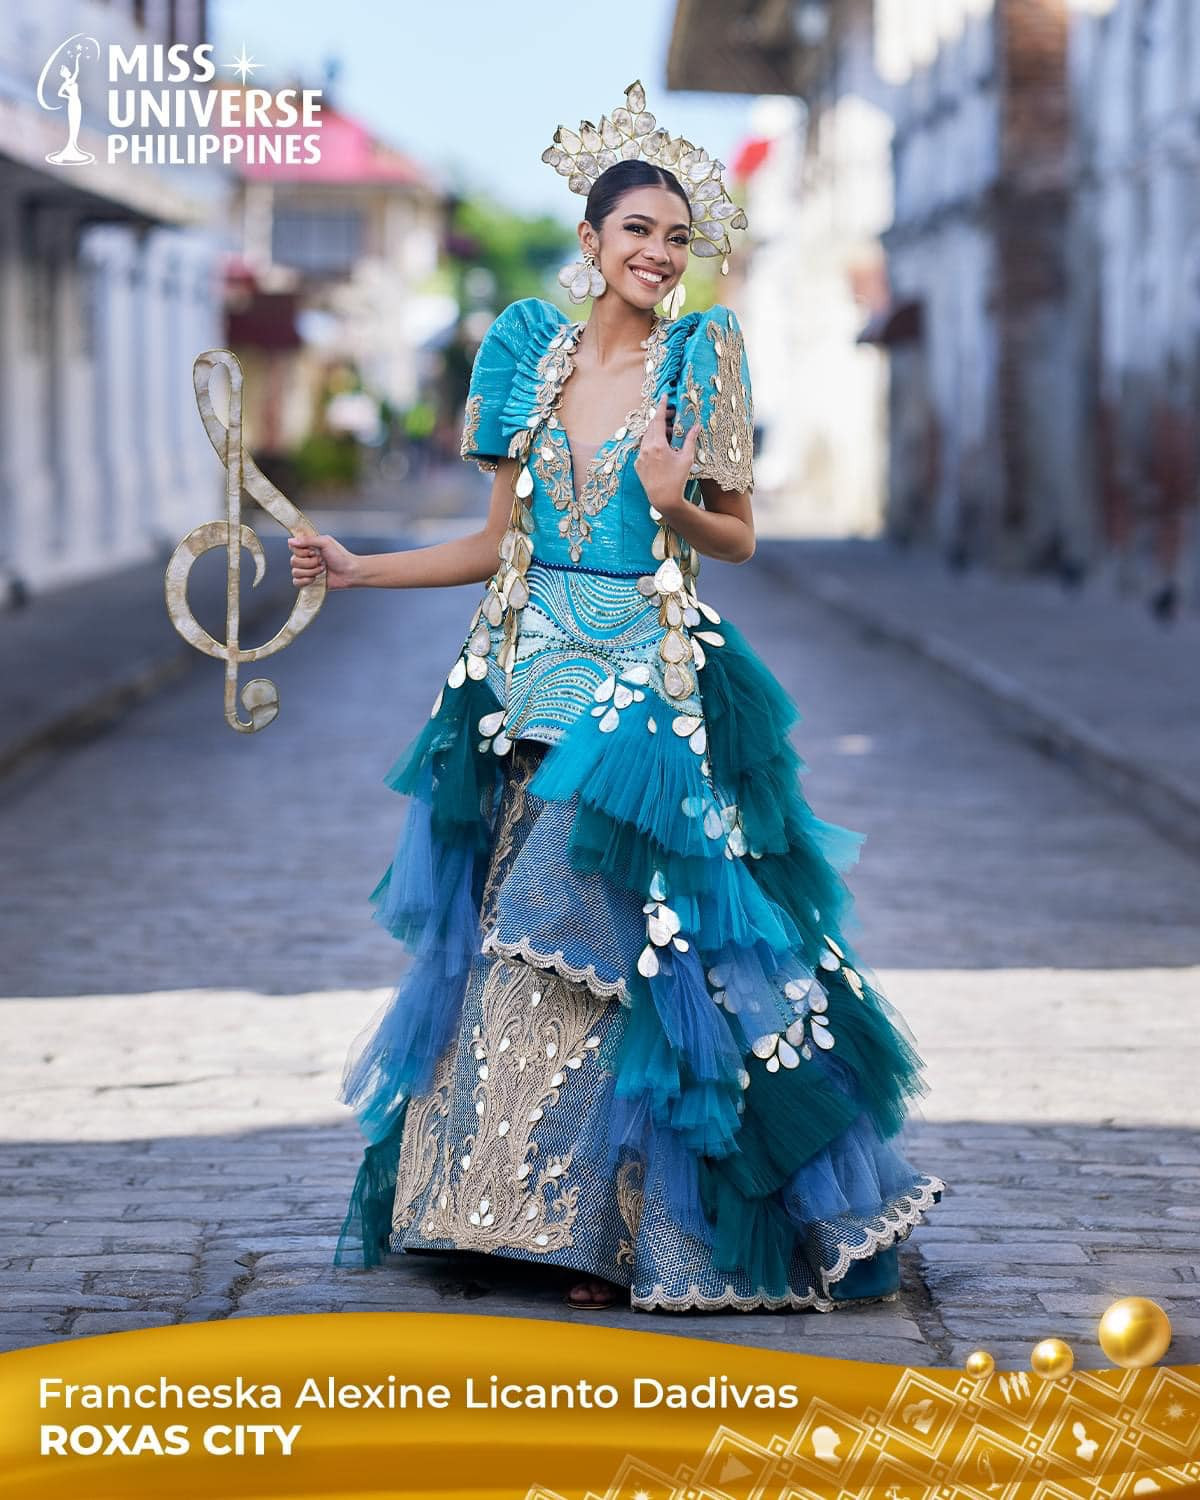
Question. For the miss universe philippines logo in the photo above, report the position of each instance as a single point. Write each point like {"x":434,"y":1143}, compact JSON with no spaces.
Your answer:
{"x":165,"y":106}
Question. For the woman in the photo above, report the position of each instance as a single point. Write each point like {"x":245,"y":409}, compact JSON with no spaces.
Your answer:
{"x":72,"y":153}
{"x":634,"y":1042}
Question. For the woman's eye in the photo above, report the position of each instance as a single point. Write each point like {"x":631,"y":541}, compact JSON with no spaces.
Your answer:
{"x":679,"y":239}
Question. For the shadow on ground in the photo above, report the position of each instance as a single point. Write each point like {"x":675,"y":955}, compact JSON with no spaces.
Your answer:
{"x":1041,"y":1228}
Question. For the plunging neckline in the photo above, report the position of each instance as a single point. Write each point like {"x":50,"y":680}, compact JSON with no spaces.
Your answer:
{"x":548,"y":446}
{"x":637,"y":417}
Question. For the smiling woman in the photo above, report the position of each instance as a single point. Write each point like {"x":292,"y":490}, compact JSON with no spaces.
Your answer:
{"x":634,"y":1042}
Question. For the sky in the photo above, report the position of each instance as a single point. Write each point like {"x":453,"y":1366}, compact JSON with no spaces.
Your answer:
{"x":475,"y":89}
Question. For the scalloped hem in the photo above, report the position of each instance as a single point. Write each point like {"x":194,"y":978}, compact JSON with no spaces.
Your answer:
{"x":895,"y":1225}
{"x":523,"y":952}
{"x":694,"y":1300}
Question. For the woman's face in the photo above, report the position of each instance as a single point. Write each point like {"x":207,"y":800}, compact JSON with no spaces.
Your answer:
{"x":642,"y":246}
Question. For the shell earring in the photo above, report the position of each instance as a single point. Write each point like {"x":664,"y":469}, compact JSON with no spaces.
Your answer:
{"x":583,"y":279}
{"x":674,"y":300}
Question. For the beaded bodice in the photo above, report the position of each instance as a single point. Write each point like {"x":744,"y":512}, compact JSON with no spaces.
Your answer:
{"x":597,"y":515}
{"x":595,"y":504}
{"x":591,"y":580}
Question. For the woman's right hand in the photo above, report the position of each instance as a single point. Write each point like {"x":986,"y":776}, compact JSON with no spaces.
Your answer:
{"x":312,"y":555}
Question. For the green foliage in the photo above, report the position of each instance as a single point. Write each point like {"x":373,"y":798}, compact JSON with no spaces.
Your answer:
{"x":522,"y":254}
{"x":704,"y":282}
{"x":325,"y":458}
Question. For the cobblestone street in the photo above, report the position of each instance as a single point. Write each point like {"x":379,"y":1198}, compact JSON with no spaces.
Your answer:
{"x":188,"y":953}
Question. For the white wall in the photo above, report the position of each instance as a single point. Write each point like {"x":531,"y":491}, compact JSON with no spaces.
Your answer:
{"x":816,"y":208}
{"x":1135,"y":73}
{"x":102,"y":458}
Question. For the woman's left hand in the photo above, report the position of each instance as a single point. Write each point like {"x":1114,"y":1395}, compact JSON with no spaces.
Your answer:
{"x":663,"y":470}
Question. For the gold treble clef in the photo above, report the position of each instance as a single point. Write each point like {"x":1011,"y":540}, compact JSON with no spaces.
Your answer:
{"x":260,"y":698}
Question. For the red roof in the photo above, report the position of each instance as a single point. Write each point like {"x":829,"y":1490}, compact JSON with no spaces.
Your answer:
{"x":349,"y":153}
{"x":750,"y":156}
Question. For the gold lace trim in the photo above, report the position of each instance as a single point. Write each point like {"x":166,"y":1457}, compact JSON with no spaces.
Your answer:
{"x":694,"y":1298}
{"x":470,"y":435}
{"x":553,"y":463}
{"x":524,"y":951}
{"x":725,"y":450}
{"x":894,"y":1225}
{"x":470,"y":432}
{"x":418,"y":1149}
{"x":494,"y":1191}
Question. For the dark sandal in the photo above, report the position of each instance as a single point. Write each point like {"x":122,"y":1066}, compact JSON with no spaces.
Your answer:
{"x":593,"y":1302}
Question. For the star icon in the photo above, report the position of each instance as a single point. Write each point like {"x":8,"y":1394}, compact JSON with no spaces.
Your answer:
{"x":242,"y":64}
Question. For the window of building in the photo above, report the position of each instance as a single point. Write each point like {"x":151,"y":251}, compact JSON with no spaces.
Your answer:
{"x":317,"y":240}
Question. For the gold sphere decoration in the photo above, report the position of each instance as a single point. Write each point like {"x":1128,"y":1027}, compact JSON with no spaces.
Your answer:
{"x":980,"y":1364}
{"x":1051,"y":1359}
{"x":1134,"y":1332}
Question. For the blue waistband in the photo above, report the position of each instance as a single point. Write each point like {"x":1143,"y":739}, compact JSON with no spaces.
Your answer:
{"x":562,"y":567}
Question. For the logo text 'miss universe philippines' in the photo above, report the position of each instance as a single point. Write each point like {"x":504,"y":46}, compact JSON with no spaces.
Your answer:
{"x":166,"y":107}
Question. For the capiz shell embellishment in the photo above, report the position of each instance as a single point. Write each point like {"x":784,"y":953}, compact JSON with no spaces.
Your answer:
{"x":631,"y":133}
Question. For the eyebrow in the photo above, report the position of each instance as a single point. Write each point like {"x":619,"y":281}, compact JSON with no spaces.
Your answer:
{"x":648,"y":220}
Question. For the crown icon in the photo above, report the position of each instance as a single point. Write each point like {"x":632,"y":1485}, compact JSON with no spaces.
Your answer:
{"x":631,"y":133}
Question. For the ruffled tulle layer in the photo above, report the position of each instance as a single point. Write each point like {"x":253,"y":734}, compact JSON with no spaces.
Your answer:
{"x":760,"y":1076}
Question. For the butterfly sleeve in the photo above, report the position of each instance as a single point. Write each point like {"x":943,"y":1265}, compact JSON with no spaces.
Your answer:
{"x":501,"y":376}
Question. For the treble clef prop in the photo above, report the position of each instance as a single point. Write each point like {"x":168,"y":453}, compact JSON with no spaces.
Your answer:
{"x":260,"y":698}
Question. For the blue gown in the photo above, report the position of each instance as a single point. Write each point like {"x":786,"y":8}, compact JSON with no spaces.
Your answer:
{"x":634,"y":1039}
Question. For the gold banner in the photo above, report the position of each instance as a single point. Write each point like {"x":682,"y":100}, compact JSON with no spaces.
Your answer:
{"x":352,"y":1405}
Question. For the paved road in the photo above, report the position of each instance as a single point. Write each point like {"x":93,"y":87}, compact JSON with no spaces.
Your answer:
{"x":187,"y":953}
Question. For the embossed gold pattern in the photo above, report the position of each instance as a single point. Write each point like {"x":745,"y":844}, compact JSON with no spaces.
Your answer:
{"x":933,"y":1434}
{"x":470,"y":432}
{"x":724,"y":451}
{"x":552,"y":465}
{"x":418,"y":1150}
{"x":497,"y":1189}
{"x":630,"y":1185}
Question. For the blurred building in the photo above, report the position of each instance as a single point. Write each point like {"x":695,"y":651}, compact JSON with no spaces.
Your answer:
{"x":1134,"y":254}
{"x":334,"y":267}
{"x":818,"y":195}
{"x":1029,"y":167}
{"x":108,"y":288}
{"x":985,"y":455}
{"x":1045,"y":262}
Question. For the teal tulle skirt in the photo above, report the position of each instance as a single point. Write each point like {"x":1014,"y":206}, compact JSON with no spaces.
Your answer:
{"x":634,"y":1038}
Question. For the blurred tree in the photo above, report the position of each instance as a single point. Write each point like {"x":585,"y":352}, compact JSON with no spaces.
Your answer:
{"x":493,"y":256}
{"x":521,"y":254}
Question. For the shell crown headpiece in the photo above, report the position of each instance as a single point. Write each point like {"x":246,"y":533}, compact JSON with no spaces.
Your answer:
{"x":631,"y":133}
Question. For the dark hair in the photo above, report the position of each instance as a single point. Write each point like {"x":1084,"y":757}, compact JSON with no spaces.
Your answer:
{"x":615,"y":181}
